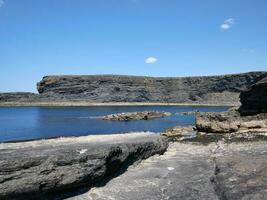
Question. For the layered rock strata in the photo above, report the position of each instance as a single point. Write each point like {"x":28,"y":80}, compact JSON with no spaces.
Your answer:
{"x":223,"y":89}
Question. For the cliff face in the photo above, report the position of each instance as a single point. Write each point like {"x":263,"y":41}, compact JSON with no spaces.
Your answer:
{"x":223,"y":89}
{"x":254,"y":100}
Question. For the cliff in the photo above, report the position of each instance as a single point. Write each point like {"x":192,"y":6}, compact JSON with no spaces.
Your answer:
{"x":224,"y":89}
{"x":254,"y":100}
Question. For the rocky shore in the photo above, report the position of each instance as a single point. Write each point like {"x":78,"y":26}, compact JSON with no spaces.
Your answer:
{"x":129,"y":116}
{"x":222,"y":157}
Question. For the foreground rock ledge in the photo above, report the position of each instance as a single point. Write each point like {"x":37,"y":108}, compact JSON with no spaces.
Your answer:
{"x":217,"y":171}
{"x":46,"y":168}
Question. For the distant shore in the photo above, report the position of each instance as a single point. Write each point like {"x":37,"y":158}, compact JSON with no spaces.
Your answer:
{"x":83,"y":103}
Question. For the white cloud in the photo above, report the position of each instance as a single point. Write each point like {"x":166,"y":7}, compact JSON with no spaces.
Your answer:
{"x":151,"y":60}
{"x":2,"y":3}
{"x":227,"y":24}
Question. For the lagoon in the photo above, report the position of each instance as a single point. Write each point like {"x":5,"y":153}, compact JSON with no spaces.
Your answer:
{"x":27,"y":123}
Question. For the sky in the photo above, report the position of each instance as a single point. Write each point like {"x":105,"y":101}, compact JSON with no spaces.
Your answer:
{"x":132,"y":37}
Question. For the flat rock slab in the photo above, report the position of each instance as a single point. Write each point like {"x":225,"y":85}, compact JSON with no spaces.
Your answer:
{"x":189,"y":171}
{"x":46,"y":169}
{"x":241,"y":171}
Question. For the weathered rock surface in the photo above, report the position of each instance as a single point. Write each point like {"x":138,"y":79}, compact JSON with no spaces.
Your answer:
{"x":241,"y":171}
{"x":128,"y":116}
{"x":115,"y":88}
{"x":254,"y":100}
{"x":45,"y":169}
{"x":188,"y":171}
{"x":230,"y":121}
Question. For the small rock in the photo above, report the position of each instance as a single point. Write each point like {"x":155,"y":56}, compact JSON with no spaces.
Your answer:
{"x":179,"y":131}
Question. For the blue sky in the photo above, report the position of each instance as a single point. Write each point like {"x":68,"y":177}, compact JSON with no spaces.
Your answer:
{"x":137,"y":37}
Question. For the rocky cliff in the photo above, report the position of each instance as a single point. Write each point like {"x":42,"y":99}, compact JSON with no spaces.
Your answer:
{"x":254,"y":100}
{"x":223,"y":89}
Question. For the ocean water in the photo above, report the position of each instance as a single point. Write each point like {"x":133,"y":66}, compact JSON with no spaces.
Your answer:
{"x":25,"y":123}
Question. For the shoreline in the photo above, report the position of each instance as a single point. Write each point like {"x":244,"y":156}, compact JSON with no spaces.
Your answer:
{"x":85,"y":104}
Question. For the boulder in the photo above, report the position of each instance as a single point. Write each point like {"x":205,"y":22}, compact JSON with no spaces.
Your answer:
{"x":230,"y":121}
{"x":224,"y":122}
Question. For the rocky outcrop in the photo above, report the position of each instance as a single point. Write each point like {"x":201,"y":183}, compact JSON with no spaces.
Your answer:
{"x":46,"y":169}
{"x":223,"y":89}
{"x":230,"y":121}
{"x":129,"y":116}
{"x":17,"y":96}
{"x":254,"y":100}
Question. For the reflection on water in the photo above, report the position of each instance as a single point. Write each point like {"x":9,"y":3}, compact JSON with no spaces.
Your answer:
{"x":22,"y":123}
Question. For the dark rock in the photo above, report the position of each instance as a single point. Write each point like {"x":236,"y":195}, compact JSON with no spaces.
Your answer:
{"x":48,"y":168}
{"x":223,"y":89}
{"x":254,"y":100}
{"x":128,"y":116}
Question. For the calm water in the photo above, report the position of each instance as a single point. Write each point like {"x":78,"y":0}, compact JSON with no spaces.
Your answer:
{"x":22,"y":123}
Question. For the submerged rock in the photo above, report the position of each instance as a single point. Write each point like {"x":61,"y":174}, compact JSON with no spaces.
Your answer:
{"x":49,"y":168}
{"x":194,"y":112}
{"x":145,"y":115}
